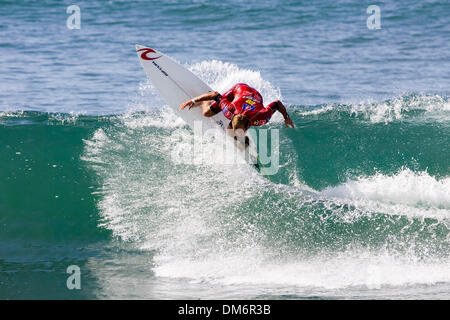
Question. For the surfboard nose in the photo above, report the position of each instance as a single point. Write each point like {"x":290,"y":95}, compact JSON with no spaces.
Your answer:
{"x":138,"y":47}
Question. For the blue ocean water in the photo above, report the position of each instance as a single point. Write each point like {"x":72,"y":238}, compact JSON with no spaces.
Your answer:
{"x":359,"y":208}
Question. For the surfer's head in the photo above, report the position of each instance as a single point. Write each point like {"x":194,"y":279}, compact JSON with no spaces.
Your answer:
{"x":240,"y":123}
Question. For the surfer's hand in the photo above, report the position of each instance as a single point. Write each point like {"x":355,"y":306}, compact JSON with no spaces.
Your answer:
{"x":188,"y":103}
{"x":288,"y":122}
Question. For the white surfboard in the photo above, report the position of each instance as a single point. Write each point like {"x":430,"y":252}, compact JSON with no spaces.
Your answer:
{"x":176,"y":85}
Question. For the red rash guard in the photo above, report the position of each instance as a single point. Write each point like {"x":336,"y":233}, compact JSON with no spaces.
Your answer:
{"x":243,"y":99}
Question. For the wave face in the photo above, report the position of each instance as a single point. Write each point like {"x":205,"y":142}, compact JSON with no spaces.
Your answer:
{"x":359,"y":208}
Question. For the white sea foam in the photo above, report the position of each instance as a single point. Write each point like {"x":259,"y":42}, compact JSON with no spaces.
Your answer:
{"x":222,"y":76}
{"x":406,"y":188}
{"x":163,"y":118}
{"x":353,"y":268}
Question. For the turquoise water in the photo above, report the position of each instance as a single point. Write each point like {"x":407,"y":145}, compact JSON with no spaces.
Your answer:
{"x":360,"y":207}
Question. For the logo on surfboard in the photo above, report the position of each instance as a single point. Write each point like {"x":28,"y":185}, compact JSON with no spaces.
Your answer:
{"x":145,"y":52}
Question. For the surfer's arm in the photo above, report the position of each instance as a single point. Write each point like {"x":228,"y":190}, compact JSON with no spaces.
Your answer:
{"x":213,"y":95}
{"x":287,"y":120}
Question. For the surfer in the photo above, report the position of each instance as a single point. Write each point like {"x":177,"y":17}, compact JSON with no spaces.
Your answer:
{"x":242,"y":104}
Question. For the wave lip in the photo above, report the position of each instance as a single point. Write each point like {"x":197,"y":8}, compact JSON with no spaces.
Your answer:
{"x":400,"y":108}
